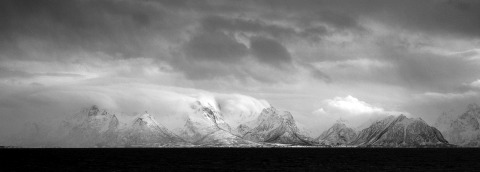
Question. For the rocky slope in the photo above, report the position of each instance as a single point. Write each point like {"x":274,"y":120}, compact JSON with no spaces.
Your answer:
{"x":399,"y":132}
{"x":463,"y":130}
{"x":274,"y":126}
{"x":338,"y":134}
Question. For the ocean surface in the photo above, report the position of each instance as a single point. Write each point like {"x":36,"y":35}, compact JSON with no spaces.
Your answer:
{"x":245,"y":159}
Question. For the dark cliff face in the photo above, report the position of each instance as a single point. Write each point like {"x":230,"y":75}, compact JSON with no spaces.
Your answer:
{"x":399,"y":131}
{"x":276,"y":127}
{"x":338,"y":134}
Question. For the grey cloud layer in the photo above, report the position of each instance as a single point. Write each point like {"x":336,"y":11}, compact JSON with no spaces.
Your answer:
{"x":445,"y":16}
{"x":215,"y":46}
{"x":217,"y":39}
{"x":119,"y":28}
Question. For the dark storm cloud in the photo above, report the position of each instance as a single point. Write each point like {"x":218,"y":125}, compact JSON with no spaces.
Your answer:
{"x":457,"y":17}
{"x":215,"y":46}
{"x":218,"y":47}
{"x":242,"y":25}
{"x":419,"y":70}
{"x":206,"y":70}
{"x":317,"y":20}
{"x":338,"y":20}
{"x":112,"y":27}
{"x":412,"y":68}
{"x":443,"y":17}
{"x":214,"y":52}
{"x":127,"y":28}
{"x":260,"y":27}
{"x":270,"y":51}
{"x":92,"y":24}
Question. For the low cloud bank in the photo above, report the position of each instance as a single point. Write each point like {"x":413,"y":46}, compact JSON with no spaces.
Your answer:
{"x":356,"y":113}
{"x":49,"y":106}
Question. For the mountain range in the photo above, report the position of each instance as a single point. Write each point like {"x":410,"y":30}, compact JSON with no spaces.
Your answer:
{"x":206,"y":126}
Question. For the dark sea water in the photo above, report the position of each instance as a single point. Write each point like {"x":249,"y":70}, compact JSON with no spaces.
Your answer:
{"x":244,"y":159}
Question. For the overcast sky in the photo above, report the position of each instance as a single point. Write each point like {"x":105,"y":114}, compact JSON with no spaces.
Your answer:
{"x":321,"y":60}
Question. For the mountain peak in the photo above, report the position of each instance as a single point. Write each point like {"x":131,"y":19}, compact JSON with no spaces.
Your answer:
{"x":341,"y":121}
{"x":276,"y":127}
{"x":205,"y":105}
{"x":145,"y":116}
{"x":401,"y":131}
{"x":146,"y":120}
{"x":420,"y":119}
{"x":268,"y":110}
{"x":286,"y":115}
{"x":339,"y":125}
{"x":338,"y":134}
{"x":473,"y":106}
{"x":93,"y":111}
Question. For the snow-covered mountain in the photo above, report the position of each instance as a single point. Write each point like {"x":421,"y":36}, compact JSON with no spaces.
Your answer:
{"x":338,"y":134}
{"x":146,"y":131}
{"x":398,"y":132}
{"x":463,"y":130}
{"x":95,"y":127}
{"x":89,"y":127}
{"x":206,"y":126}
{"x":273,"y":126}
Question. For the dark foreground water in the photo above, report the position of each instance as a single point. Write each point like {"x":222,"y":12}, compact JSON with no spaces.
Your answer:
{"x":228,"y":159}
